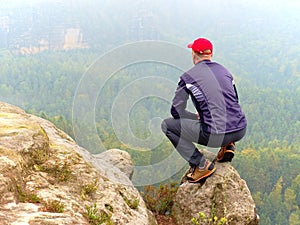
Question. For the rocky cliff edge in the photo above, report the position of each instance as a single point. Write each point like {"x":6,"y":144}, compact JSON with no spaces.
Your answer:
{"x":222,"y":199}
{"x":46,"y":178}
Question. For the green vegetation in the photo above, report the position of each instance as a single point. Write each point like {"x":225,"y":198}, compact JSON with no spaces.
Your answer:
{"x":272,"y":174}
{"x":132,"y":203}
{"x":109,"y":207}
{"x":88,"y":189}
{"x":37,"y":157}
{"x":97,"y":217}
{"x":54,"y":206}
{"x":160,"y":199}
{"x":29,"y":196}
{"x":203,"y":219}
{"x":26,"y":196}
{"x":61,"y":172}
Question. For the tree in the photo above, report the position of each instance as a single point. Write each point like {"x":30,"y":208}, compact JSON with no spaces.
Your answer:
{"x":295,"y":218}
{"x":290,"y":200}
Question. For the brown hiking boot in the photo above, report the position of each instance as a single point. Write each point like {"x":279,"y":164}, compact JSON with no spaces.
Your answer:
{"x":226,"y":153}
{"x":199,"y":173}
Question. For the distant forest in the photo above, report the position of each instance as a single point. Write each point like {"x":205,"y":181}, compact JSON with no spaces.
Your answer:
{"x":258,"y":44}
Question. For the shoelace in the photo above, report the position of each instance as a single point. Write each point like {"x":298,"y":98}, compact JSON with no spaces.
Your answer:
{"x":193,"y":169}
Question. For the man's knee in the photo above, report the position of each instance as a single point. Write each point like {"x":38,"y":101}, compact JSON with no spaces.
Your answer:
{"x":165,"y":124}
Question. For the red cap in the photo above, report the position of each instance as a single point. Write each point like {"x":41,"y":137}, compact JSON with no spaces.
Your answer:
{"x":201,"y":45}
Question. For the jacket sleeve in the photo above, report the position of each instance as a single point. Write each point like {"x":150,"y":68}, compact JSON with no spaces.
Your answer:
{"x":178,"y":109}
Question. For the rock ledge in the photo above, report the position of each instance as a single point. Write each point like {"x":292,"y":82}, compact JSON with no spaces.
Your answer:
{"x":223,"y":195}
{"x":46,"y":178}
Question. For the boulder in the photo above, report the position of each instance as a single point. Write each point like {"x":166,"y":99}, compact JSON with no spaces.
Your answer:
{"x":46,"y":178}
{"x":223,"y":198}
{"x":119,"y":159}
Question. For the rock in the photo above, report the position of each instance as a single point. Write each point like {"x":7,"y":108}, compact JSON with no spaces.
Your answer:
{"x":46,"y":178}
{"x":119,"y":159}
{"x":222,"y":195}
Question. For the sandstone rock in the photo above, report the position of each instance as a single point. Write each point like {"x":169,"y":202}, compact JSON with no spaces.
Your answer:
{"x":222,"y":195}
{"x":119,"y":159}
{"x":46,"y":178}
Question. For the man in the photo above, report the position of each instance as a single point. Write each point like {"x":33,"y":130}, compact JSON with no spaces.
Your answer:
{"x":219,"y":121}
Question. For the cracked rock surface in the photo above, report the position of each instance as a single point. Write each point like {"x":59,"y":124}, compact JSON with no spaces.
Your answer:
{"x":46,"y":178}
{"x":223,"y":195}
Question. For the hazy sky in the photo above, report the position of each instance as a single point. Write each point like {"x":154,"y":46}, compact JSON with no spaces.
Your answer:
{"x":184,"y":3}
{"x":184,"y":20}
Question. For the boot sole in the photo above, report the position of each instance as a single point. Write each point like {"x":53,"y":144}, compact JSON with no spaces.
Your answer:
{"x":228,"y":156}
{"x":204,"y":176}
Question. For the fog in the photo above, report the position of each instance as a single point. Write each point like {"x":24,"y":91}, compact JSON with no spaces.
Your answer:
{"x":179,"y":21}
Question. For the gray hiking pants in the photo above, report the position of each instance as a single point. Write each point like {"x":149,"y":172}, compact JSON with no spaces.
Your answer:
{"x":183,"y":132}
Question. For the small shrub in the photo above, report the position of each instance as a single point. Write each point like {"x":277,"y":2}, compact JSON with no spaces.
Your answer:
{"x":203,"y":219}
{"x":61,"y":172}
{"x":160,"y":199}
{"x":96,"y":217}
{"x":132,"y":204}
{"x":88,"y":189}
{"x":27,"y":196}
{"x":109,"y":207}
{"x":39,"y":156}
{"x":54,"y":206}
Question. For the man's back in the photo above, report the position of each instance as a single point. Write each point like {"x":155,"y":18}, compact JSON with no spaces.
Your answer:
{"x":212,"y":90}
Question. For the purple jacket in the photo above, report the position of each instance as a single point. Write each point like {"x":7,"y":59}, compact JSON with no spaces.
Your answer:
{"x":212,"y":90}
